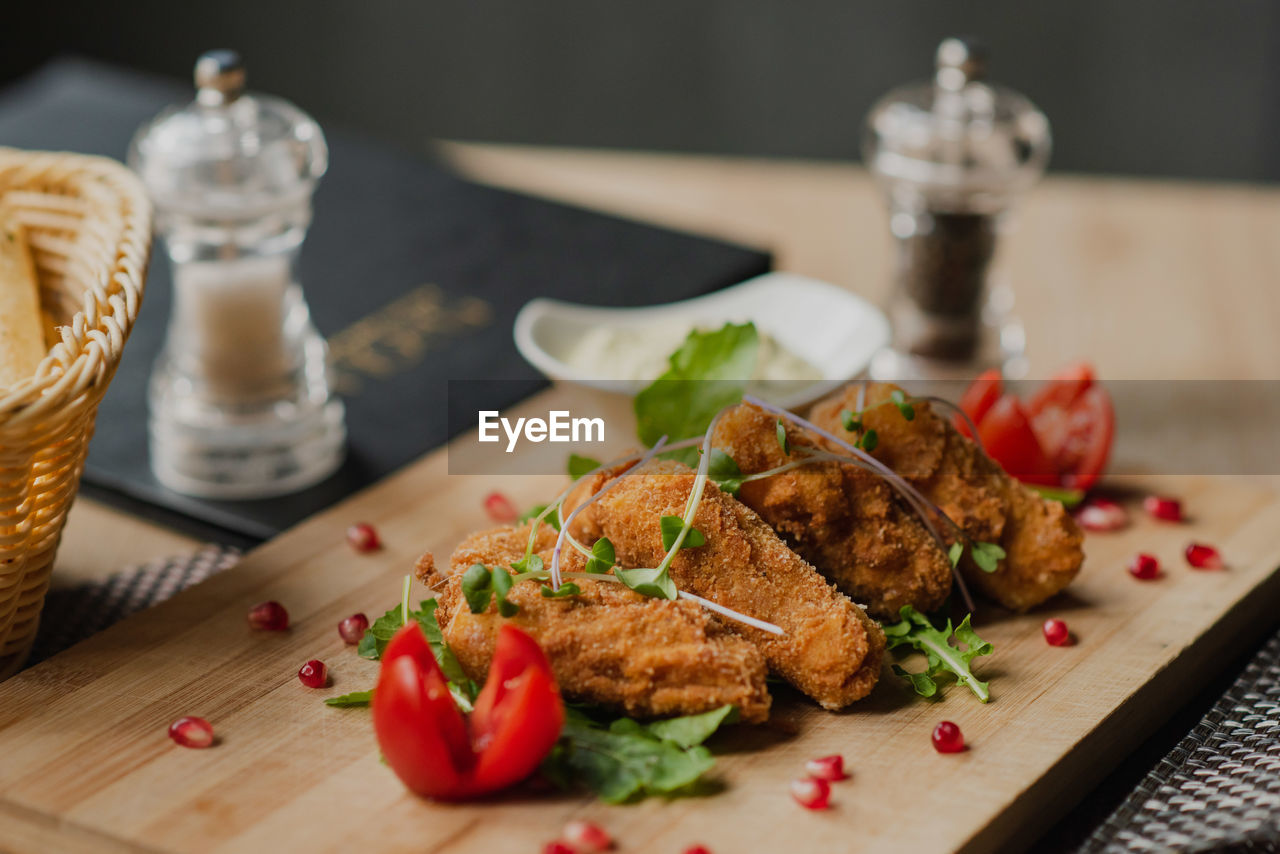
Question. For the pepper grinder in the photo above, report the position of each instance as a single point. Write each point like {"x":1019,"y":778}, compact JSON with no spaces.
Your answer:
{"x":953,"y":156}
{"x":240,"y":399}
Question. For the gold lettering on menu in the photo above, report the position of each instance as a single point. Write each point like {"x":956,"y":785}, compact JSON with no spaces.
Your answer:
{"x":400,"y":333}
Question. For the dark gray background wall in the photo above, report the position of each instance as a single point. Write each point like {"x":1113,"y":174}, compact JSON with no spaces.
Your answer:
{"x":1147,"y":87}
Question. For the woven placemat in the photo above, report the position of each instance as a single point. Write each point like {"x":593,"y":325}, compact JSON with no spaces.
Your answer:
{"x":1219,"y":788}
{"x":72,"y":614}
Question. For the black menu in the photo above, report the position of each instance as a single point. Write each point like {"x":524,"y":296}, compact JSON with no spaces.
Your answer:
{"x":413,"y":275}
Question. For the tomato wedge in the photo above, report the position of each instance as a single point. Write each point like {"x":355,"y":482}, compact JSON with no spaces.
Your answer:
{"x":978,"y":399}
{"x":434,"y":751}
{"x":1008,"y":438}
{"x":1060,"y":436}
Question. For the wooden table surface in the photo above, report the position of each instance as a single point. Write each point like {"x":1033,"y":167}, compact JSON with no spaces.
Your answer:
{"x":1150,"y":280}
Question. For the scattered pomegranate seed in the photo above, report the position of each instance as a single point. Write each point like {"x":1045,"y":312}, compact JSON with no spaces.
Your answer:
{"x":363,"y":537}
{"x":811,"y":794}
{"x":1144,"y":566}
{"x":500,"y":508}
{"x":1162,"y":508}
{"x":269,"y":616}
{"x":587,"y":837}
{"x":353,"y":628}
{"x":314,"y":674}
{"x":557,"y":847}
{"x":947,"y":738}
{"x":1056,"y":632}
{"x":1102,"y":514}
{"x":697,"y":849}
{"x":191,"y":732}
{"x":1202,"y":556}
{"x":829,"y":768}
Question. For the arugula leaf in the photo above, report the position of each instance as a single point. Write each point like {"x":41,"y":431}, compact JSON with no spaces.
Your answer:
{"x":725,"y":472}
{"x":671,"y":528}
{"x":782,"y":438}
{"x":350,"y":701}
{"x":942,"y":656}
{"x":580,"y":465}
{"x":449,"y":665}
{"x":626,"y":760}
{"x":566,"y":589}
{"x":648,"y":582}
{"x":379,"y":634}
{"x":987,"y":556}
{"x":602,"y":556}
{"x":900,"y":400}
{"x":708,"y":373}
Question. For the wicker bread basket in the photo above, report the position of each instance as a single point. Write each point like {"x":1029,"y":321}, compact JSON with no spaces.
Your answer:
{"x":88,"y":223}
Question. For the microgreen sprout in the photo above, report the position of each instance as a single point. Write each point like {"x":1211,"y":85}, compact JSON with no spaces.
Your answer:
{"x":782,"y":438}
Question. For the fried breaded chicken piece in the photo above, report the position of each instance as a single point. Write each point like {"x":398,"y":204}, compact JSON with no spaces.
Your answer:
{"x":1042,"y":542}
{"x":607,"y":645}
{"x":830,"y":649}
{"x":844,"y":520}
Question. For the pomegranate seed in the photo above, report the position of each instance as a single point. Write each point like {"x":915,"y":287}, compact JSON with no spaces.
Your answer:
{"x":500,"y":508}
{"x":947,"y":738}
{"x":1162,"y":508}
{"x":811,"y":794}
{"x":697,"y":849}
{"x":314,"y":674}
{"x":1202,"y":556}
{"x":269,"y":616}
{"x":1101,"y":514}
{"x":353,"y":628}
{"x":191,"y":732}
{"x":363,"y":537}
{"x":1144,"y":566}
{"x":830,"y":768}
{"x":586,"y":837}
{"x":1056,"y":632}
{"x":557,"y":847}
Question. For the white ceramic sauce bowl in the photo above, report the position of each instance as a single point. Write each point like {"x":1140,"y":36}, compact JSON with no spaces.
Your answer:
{"x":830,"y":328}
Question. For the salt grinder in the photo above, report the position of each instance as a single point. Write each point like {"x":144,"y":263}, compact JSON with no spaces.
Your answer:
{"x":953,"y":156}
{"x":241,"y":404}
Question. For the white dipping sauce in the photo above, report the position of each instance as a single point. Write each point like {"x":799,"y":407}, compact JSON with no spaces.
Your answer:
{"x":639,"y":353}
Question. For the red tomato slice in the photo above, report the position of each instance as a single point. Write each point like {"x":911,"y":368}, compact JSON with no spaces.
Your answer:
{"x":419,"y":728}
{"x":1062,"y":389}
{"x":515,"y":723}
{"x":518,"y":716}
{"x":1007,"y":436}
{"x":1078,"y":439}
{"x":978,"y":399}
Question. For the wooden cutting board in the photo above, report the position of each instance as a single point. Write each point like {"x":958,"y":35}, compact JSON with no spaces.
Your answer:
{"x":85,"y":763}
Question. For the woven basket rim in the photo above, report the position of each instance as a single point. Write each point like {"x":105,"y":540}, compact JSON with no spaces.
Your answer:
{"x":91,"y":343}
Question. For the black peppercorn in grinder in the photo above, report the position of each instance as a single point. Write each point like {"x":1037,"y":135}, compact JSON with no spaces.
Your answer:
{"x":952,"y":156}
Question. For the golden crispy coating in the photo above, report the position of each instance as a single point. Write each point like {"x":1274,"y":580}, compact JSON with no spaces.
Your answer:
{"x":844,"y":520}
{"x":1042,"y":541}
{"x":830,"y":649}
{"x":608,"y":646}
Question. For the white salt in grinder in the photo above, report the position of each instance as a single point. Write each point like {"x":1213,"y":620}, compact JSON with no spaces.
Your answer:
{"x":241,"y":404}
